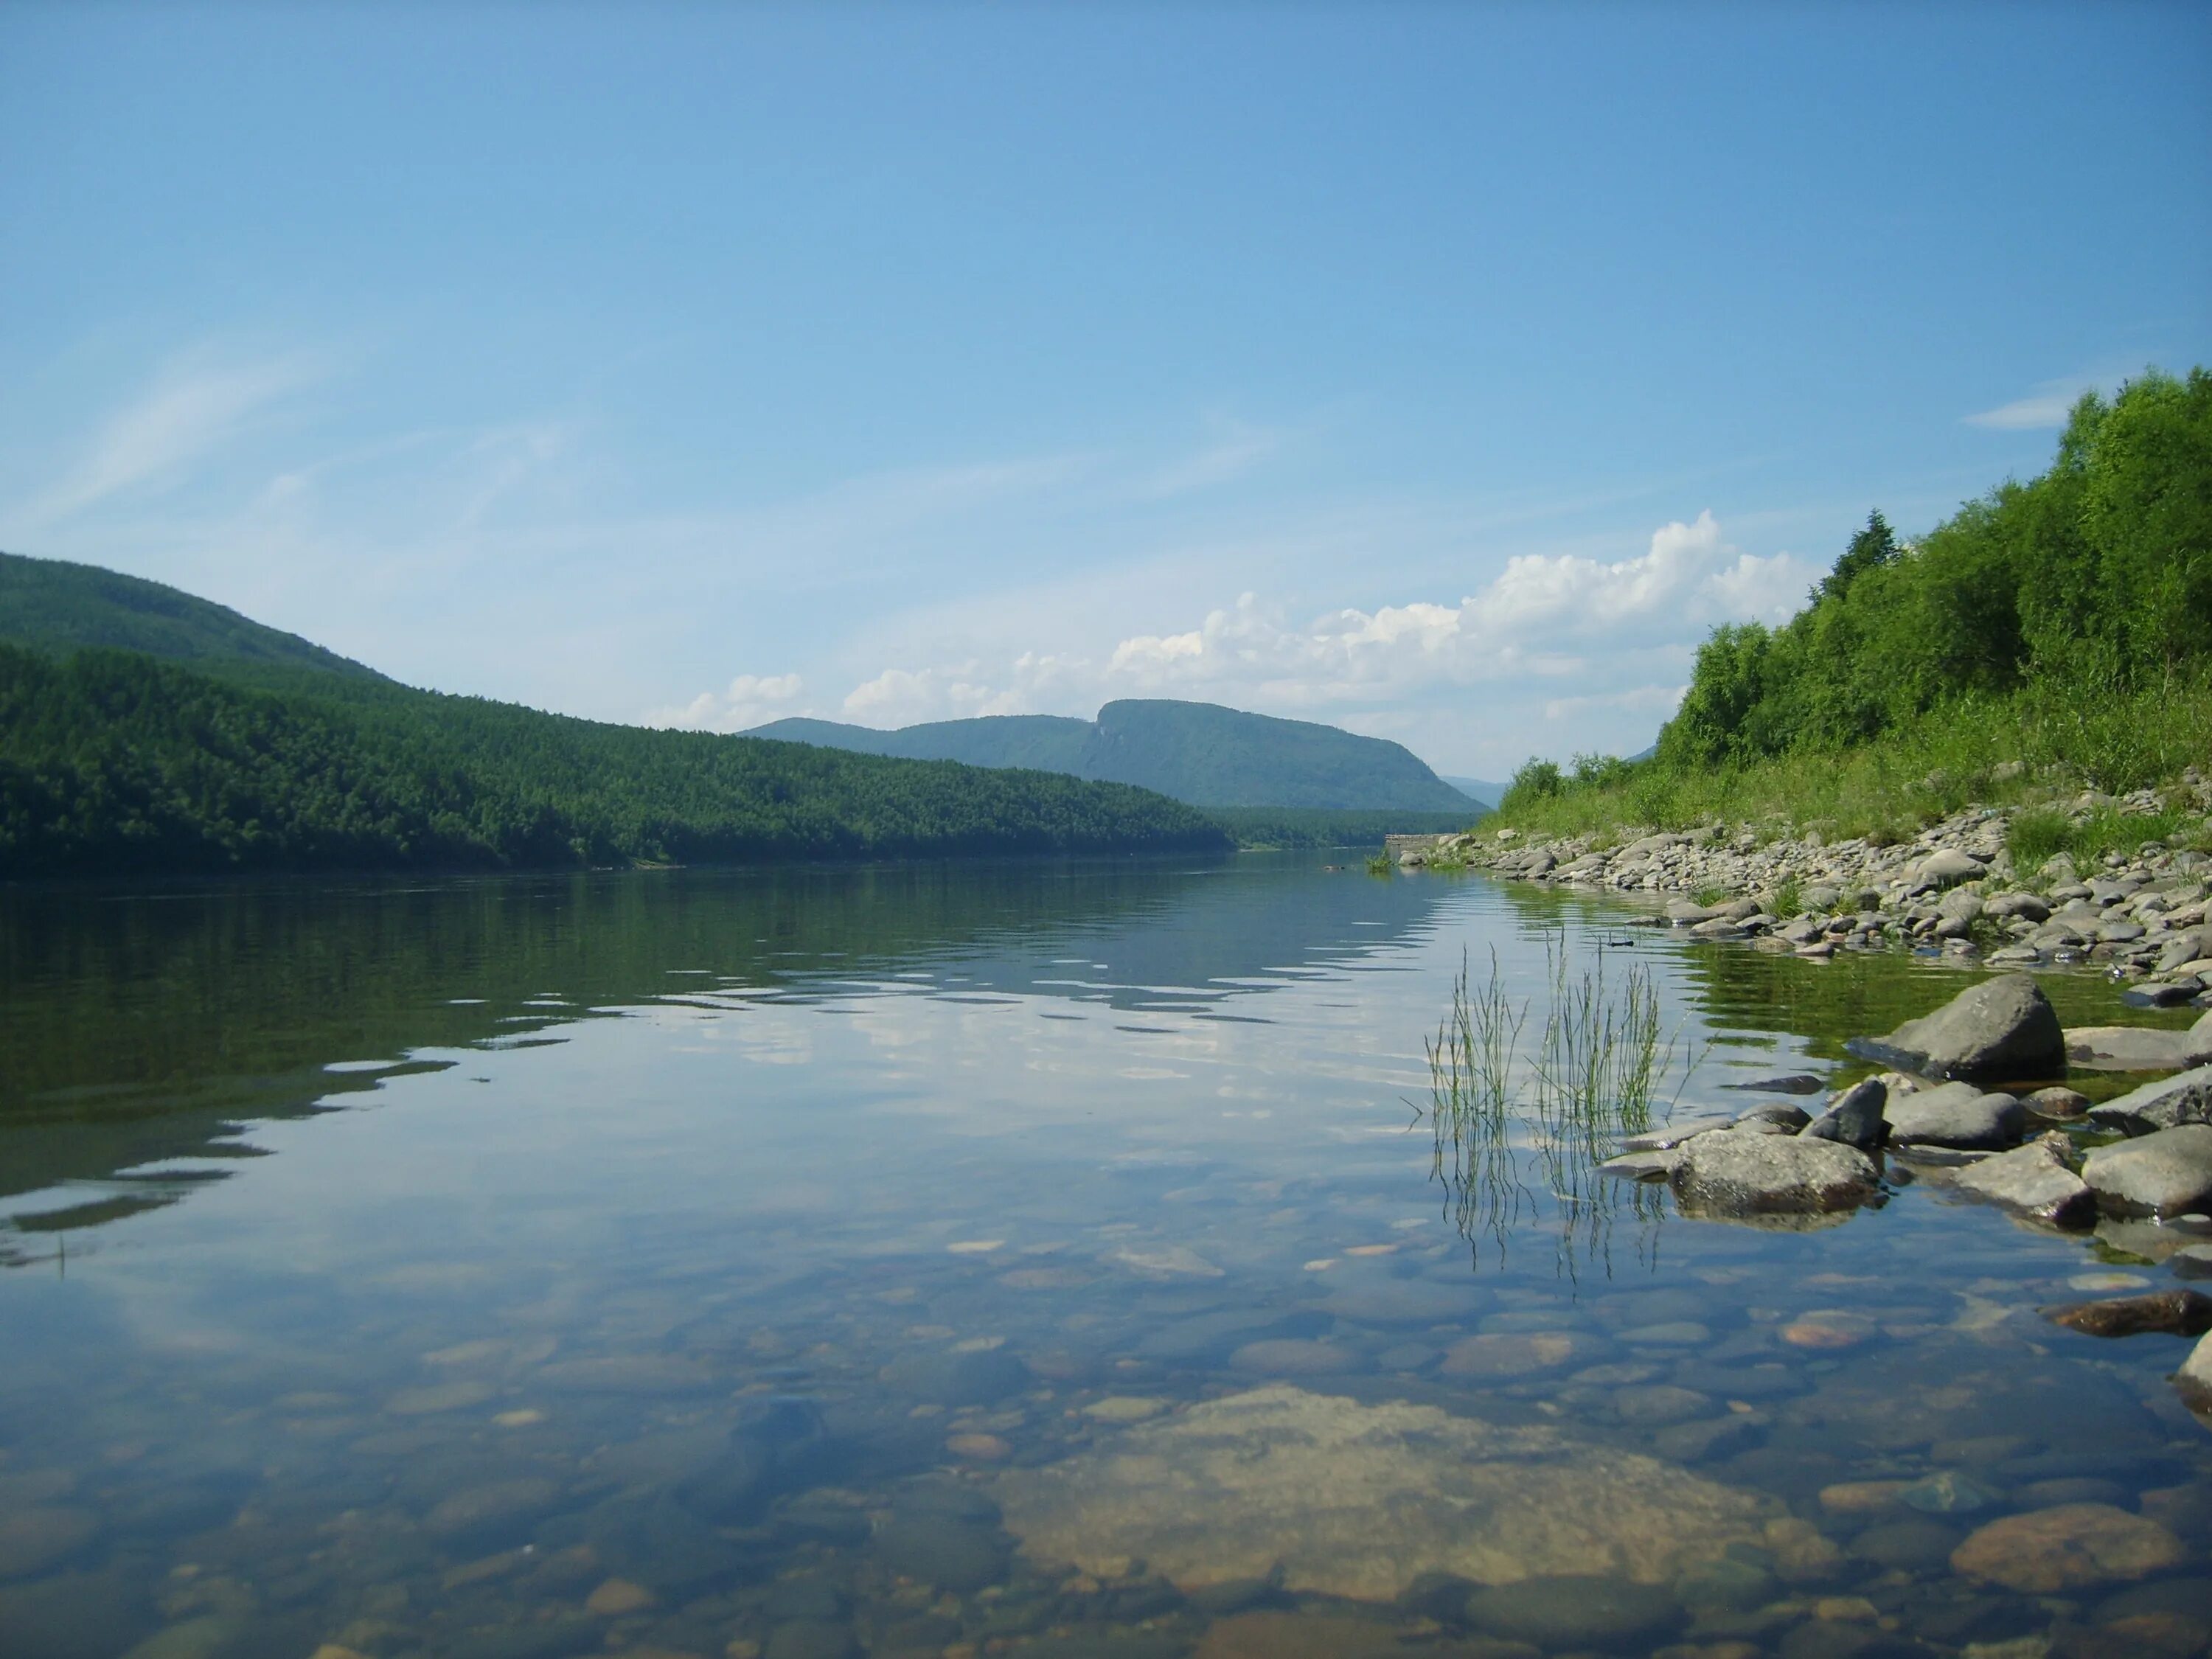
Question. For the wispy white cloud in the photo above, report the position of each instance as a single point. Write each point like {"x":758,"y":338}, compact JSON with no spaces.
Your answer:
{"x":191,"y":410}
{"x":2043,"y":408}
{"x":1234,"y":449}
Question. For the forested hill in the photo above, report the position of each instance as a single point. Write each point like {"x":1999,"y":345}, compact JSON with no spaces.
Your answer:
{"x":1198,"y":752}
{"x":54,"y":606}
{"x":113,"y":762}
{"x":2055,"y":632}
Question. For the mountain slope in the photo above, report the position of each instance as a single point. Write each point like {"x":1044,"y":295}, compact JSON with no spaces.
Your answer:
{"x":54,"y":606}
{"x":113,"y":762}
{"x":1197,"y":752}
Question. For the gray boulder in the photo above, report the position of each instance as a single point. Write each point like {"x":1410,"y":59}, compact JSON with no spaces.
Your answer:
{"x":2165,"y":1104}
{"x":1942,"y":868}
{"x":2163,"y":1174}
{"x":1957,"y":1116}
{"x":2001,"y":1029}
{"x":1855,"y":1118}
{"x":2035,"y":1181}
{"x":1737,"y":1175}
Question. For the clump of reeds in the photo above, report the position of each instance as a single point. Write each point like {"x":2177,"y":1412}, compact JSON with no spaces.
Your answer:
{"x":1595,"y":1073}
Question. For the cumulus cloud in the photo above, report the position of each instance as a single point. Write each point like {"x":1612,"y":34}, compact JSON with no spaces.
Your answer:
{"x":1544,"y":614}
{"x":1608,"y":642}
{"x":748,"y":701}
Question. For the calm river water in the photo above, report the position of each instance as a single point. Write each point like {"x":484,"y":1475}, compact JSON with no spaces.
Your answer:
{"x":1039,"y":1259}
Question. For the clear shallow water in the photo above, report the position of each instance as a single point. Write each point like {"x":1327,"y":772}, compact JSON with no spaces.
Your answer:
{"x":907,"y":1261}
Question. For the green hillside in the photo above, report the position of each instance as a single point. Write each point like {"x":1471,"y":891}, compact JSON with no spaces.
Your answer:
{"x":2055,"y":633}
{"x":115,"y":761}
{"x":1196,"y":752}
{"x":51,"y":606}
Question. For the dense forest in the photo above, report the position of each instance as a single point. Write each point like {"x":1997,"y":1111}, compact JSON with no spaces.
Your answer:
{"x":2061,"y":616}
{"x":115,"y":761}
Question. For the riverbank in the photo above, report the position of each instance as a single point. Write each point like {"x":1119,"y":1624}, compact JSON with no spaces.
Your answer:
{"x":1978,"y":884}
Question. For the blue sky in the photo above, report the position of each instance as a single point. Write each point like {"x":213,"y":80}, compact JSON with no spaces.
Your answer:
{"x":1441,"y":371}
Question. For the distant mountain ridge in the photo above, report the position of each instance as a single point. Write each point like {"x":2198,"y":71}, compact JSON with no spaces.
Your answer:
{"x":1197,"y":752}
{"x":54,"y":605}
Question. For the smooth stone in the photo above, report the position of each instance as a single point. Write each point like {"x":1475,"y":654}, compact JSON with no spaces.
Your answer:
{"x":1515,"y":1353}
{"x":2135,"y":1048}
{"x":2153,"y":994}
{"x":1339,"y":1498}
{"x":2034,"y":1181}
{"x":1402,"y":1302}
{"x":2070,"y":1489}
{"x":1731,"y":1176}
{"x":2003,"y":1028}
{"x":1670,"y":1333}
{"x":1946,"y":1493}
{"x":934,"y":1551}
{"x":1856,"y":1118}
{"x":1673,"y":1134}
{"x":959,"y":1379}
{"x":1270,"y":1634}
{"x":2057,"y":1103}
{"x":1942,"y":867}
{"x":2171,"y":1313}
{"x":1658,"y":1404}
{"x":1958,"y":1116}
{"x":1790,"y":1083}
{"x":2071,"y":1546}
{"x":2165,"y":1104}
{"x":1915,"y":1545}
{"x":1576,"y":1610}
{"x":2194,"y":1380}
{"x":2191,"y":1261}
{"x":812,"y":1638}
{"x":1786,"y":1114}
{"x":1294,"y":1356}
{"x":496,"y":1506}
{"x":1728,"y":1585}
{"x":1715,"y":1436}
{"x":1641,"y":1166}
{"x":38,"y":1536}
{"x":2166,"y":1173}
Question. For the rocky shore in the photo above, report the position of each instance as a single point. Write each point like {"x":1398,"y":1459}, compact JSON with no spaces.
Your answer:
{"x":1952,"y":889}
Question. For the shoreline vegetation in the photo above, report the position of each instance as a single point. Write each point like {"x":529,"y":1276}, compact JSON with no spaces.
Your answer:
{"x":2034,"y":677}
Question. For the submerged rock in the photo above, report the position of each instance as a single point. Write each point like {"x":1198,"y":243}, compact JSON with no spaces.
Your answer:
{"x":2194,"y":1380}
{"x":2068,"y":1547}
{"x":2166,"y":1173}
{"x":1355,"y":1500}
{"x":1576,"y":1610}
{"x":2165,"y":1104}
{"x":1792,"y":1082}
{"x":2175,"y":1313}
{"x":1735,"y":1175}
{"x":2036,"y":1180}
{"x":2001,"y":1029}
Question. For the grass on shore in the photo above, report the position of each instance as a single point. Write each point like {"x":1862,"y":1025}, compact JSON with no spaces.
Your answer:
{"x":2042,"y":740}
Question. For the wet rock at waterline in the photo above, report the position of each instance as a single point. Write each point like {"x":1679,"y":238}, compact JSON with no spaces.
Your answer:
{"x":1958,"y":1116}
{"x":2162,"y":1105}
{"x":1792,"y":1083}
{"x":2167,"y":1173}
{"x":1857,"y":1117}
{"x":2003,"y":1028}
{"x":2194,"y":1380}
{"x":2036,"y":1180}
{"x":1733,"y":1175}
{"x":2139,"y":1047}
{"x":2174,"y":1313}
{"x":1355,"y":1500}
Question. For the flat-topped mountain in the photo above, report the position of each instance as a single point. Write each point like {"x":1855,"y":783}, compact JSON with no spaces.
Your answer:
{"x":1198,"y":752}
